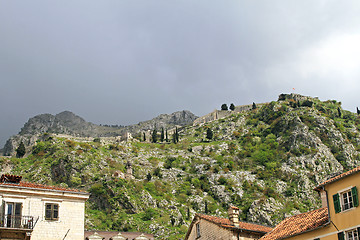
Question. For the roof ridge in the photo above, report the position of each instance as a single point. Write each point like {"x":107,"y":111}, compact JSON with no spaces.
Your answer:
{"x":229,"y":220}
{"x":338,"y":177}
{"x":26,"y":184}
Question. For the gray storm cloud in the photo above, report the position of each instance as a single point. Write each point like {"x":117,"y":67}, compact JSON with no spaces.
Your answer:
{"x":121,"y":62}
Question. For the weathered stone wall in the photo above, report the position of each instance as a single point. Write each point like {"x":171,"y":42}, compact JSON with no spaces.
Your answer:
{"x":211,"y":231}
{"x":218,"y":114}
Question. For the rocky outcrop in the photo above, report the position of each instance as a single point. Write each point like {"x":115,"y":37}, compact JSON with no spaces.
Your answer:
{"x":166,"y":121}
{"x":68,"y":123}
{"x":63,"y":123}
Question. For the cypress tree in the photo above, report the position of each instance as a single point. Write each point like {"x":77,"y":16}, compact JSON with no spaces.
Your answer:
{"x":253,"y":106}
{"x":177,"y":135}
{"x":209,"y":134}
{"x":357,"y":110}
{"x":154,"y":136}
{"x":339,"y":112}
{"x":20,"y":151}
{"x":144,"y":137}
{"x":167,"y":139}
{"x":232,"y":107}
{"x":174,"y":138}
{"x":162,"y":135}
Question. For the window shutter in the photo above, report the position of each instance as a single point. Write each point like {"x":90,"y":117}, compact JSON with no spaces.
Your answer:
{"x":341,"y":236}
{"x":355,"y":196}
{"x":337,"y":203}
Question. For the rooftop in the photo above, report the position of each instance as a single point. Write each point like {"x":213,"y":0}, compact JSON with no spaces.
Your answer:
{"x":15,"y":181}
{"x":224,"y":222}
{"x":108,"y":234}
{"x":338,"y":177}
{"x":299,"y":224}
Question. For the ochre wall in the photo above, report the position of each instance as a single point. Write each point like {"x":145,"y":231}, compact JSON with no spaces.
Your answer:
{"x":345,"y":220}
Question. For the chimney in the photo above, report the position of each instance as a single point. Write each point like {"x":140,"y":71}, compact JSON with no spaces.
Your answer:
{"x":234,"y":216}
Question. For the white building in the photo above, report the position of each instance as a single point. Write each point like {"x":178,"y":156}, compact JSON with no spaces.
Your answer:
{"x":39,"y":212}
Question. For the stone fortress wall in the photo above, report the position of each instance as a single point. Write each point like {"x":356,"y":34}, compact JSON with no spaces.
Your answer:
{"x":219,"y":114}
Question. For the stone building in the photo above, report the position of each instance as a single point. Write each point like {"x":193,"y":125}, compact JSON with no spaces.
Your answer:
{"x":338,"y":219}
{"x":37,"y":212}
{"x":210,"y":227}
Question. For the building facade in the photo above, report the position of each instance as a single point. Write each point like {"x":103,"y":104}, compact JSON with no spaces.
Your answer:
{"x":216,"y":228}
{"x":38,"y":212}
{"x":110,"y":235}
{"x":338,"y":219}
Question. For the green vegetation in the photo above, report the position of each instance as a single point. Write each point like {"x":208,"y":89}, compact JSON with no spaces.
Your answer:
{"x":224,"y":107}
{"x":20,"y":151}
{"x":275,"y":153}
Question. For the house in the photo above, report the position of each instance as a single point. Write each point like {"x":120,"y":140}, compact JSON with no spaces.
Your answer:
{"x":37,"y":212}
{"x":339,"y":217}
{"x":210,"y":227}
{"x":108,"y":235}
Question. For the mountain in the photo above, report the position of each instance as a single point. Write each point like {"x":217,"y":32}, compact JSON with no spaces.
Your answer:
{"x":63,"y":123}
{"x":265,"y":160}
{"x":69,"y":123}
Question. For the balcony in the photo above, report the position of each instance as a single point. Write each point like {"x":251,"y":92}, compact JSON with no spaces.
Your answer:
{"x":18,"y":222}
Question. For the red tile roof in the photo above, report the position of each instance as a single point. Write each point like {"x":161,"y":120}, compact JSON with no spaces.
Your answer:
{"x":224,"y":222}
{"x":298,"y":224}
{"x":338,"y":177}
{"x":40,"y":186}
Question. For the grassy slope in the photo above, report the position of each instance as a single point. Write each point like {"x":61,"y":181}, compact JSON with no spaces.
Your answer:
{"x":242,"y":165}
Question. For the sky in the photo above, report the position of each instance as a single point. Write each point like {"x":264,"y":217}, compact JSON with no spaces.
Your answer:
{"x":126,"y":61}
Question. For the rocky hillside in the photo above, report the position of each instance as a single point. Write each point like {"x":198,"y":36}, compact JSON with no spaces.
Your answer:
{"x":266,"y":161}
{"x":70,"y":124}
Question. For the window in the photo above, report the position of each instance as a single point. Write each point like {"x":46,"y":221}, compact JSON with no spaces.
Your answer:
{"x":352,"y":235}
{"x":198,"y":230}
{"x":346,"y":200}
{"x":51,"y":211}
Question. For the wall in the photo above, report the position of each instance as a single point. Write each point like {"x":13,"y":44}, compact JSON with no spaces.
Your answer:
{"x":71,"y":212}
{"x":211,"y":231}
{"x":345,"y":220}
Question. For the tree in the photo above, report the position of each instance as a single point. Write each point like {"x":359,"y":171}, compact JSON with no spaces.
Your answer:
{"x":177,"y":135}
{"x":357,"y":110}
{"x":148,"y":177}
{"x":224,"y":107}
{"x":174,"y":138}
{"x":209,"y":134}
{"x":162,"y":137}
{"x":206,"y":207}
{"x":254,"y":106}
{"x":166,"y":136}
{"x":144,"y":137}
{"x":232,"y":107}
{"x":20,"y":151}
{"x":154,"y":136}
{"x":339,"y":112}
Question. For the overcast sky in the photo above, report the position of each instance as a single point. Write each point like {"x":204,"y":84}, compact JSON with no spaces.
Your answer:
{"x":125,"y":61}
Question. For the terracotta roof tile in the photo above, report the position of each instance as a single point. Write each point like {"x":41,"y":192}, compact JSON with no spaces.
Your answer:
{"x":298,"y":224}
{"x":40,"y":186}
{"x":338,"y":177}
{"x":224,"y":222}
